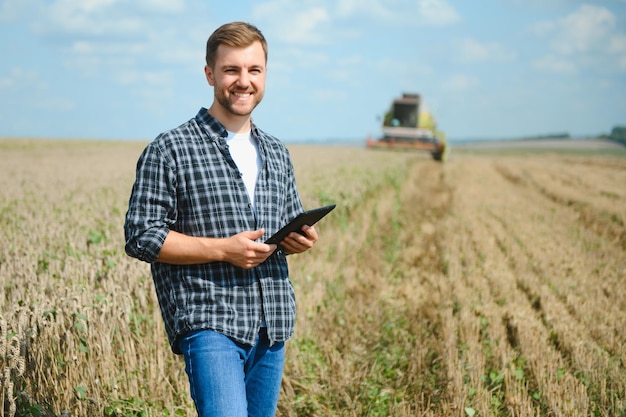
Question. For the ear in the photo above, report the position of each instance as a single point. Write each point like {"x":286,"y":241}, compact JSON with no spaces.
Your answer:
{"x":209,"y":75}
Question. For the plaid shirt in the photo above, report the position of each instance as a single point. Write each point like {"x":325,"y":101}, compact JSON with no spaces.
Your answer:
{"x":187,"y":181}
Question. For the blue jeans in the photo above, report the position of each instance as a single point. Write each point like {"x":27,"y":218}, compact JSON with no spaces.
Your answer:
{"x":230,"y":379}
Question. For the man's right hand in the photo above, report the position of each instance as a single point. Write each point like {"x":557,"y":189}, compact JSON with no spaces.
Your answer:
{"x":240,"y":250}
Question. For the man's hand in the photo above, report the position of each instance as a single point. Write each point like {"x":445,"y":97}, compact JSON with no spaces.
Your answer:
{"x":241,"y":249}
{"x":297,"y":243}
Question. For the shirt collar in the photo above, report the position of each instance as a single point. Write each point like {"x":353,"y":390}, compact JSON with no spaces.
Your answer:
{"x":216,"y":129}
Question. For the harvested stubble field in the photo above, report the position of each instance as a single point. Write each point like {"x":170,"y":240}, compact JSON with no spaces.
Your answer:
{"x":492,"y":285}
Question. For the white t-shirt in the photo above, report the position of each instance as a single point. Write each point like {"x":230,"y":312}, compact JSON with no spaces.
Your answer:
{"x":245,"y":152}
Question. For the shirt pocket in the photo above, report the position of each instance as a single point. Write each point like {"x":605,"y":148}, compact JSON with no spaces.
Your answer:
{"x":273,"y":184}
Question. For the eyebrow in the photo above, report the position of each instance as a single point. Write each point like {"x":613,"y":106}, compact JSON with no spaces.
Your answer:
{"x":237,"y":67}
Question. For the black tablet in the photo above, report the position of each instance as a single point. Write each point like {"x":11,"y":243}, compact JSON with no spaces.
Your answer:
{"x":309,"y":218}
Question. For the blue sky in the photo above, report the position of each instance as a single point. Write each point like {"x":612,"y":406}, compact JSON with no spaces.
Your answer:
{"x":130,"y":69}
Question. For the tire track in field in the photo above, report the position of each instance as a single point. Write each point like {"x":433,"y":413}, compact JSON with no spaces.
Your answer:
{"x":604,"y":266}
{"x":407,"y":237}
{"x":473,"y":323}
{"x":388,"y":346}
{"x":492,"y":293}
{"x":424,"y":200}
{"x":402,"y":277}
{"x":338,"y":299}
{"x":557,"y":184}
{"x":565,"y":332}
{"x":500,"y":367}
{"x":588,"y":350}
{"x":475,"y":327}
{"x":506,"y":312}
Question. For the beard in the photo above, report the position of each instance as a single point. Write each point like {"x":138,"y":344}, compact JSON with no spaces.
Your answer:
{"x":223,"y":98}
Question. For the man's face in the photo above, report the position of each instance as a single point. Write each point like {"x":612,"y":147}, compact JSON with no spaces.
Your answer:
{"x":238,"y":79}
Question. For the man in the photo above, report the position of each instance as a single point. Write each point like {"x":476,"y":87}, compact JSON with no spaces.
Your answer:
{"x":206,"y":195}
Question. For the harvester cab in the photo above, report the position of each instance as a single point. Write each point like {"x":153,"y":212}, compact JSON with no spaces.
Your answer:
{"x":409,"y":125}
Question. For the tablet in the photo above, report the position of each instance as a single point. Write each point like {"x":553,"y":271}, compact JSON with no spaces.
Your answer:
{"x":309,"y":218}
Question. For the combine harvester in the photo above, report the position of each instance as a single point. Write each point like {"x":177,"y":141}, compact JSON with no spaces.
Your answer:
{"x":409,"y":125}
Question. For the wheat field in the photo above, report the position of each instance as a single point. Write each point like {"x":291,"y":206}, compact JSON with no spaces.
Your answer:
{"x":491,"y":285}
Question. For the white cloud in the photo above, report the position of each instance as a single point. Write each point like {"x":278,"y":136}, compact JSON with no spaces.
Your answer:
{"x":584,"y":30}
{"x":18,"y":78}
{"x":11,"y":10}
{"x":294,"y":23}
{"x":102,"y":18}
{"x":20,"y":83}
{"x":471,"y":50}
{"x":152,"y":78}
{"x":374,"y":8}
{"x":344,"y":69}
{"x":315,"y":22}
{"x":163,"y":6}
{"x":437,"y":12}
{"x":110,"y":39}
{"x":589,"y":37}
{"x":288,"y":59}
{"x":90,"y":57}
{"x":108,"y":48}
{"x":617,"y":44}
{"x":460,"y":82}
{"x":405,"y":12}
{"x":56,"y":104}
{"x":89,"y":18}
{"x":553,"y":63}
{"x":410,"y":70}
{"x":327,"y":95}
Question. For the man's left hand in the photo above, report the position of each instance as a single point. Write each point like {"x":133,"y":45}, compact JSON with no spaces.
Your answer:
{"x":297,"y":243}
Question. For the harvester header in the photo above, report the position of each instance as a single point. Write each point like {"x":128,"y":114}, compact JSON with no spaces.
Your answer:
{"x":409,"y":125}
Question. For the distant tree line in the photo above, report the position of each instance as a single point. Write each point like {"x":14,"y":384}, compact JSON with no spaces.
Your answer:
{"x":551,"y":136}
{"x":618,"y":134}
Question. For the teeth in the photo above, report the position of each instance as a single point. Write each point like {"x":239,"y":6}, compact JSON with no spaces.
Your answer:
{"x":241,"y":94}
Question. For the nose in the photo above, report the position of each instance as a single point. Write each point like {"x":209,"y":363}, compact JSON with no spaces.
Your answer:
{"x":244,"y":79}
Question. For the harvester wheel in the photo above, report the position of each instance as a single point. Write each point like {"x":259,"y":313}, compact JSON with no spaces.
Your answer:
{"x":441,"y":154}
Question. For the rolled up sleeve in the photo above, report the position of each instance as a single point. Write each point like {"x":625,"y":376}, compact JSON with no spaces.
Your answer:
{"x":152,"y":205}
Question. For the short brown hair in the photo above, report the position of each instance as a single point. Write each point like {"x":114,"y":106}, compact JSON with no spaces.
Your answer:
{"x":236,"y":35}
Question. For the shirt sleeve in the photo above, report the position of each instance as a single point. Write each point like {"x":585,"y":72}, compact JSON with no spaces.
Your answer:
{"x":152,"y":205}
{"x":294,"y":204}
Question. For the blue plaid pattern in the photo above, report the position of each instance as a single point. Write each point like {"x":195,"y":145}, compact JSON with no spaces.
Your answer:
{"x":187,"y":181}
